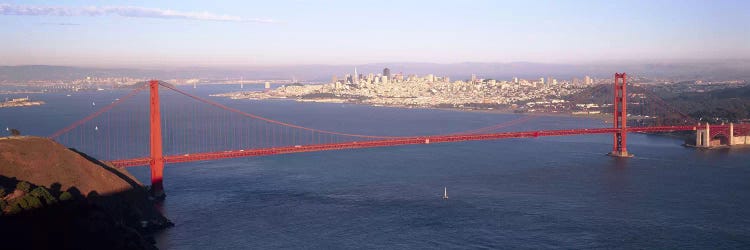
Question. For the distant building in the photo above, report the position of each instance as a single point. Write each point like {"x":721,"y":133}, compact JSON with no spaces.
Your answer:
{"x":587,"y":80}
{"x":355,"y":78}
{"x":334,"y":79}
{"x":400,"y":77}
{"x":387,"y":72}
{"x":473,"y":78}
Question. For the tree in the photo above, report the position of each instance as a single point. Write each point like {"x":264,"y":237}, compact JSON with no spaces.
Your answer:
{"x":14,"y":208}
{"x":32,"y":202}
{"x":15,"y":132}
{"x":23,"y":186}
{"x":65,"y":196}
{"x":43,"y":194}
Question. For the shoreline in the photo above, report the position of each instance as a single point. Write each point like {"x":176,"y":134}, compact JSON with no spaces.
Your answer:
{"x":21,"y":104}
{"x":491,"y":111}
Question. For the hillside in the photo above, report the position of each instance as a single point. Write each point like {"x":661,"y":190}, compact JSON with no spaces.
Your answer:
{"x":44,"y":162}
{"x":52,"y":197}
{"x":732,"y":104}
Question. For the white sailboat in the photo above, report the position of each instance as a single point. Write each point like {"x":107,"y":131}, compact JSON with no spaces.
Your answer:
{"x":445,"y":193}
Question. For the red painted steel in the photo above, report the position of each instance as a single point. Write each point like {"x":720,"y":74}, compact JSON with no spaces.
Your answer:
{"x":620,"y":115}
{"x":157,"y":159}
{"x":322,"y":140}
{"x":391,"y":142}
{"x":97,"y":113}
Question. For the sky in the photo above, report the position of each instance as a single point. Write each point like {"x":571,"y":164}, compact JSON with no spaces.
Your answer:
{"x":269,"y":33}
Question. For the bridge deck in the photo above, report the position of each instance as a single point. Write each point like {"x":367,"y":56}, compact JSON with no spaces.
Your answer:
{"x":390,"y":142}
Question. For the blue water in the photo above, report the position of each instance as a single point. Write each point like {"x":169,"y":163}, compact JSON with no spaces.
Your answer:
{"x":555,"y":192}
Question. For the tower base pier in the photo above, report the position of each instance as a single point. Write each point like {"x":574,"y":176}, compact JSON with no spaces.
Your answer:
{"x":620,"y":154}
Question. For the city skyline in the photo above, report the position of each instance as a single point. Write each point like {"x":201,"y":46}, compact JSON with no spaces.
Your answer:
{"x":127,"y":34}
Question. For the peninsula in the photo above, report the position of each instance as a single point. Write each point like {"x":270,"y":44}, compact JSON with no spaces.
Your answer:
{"x":19,"y":102}
{"x":427,"y":91}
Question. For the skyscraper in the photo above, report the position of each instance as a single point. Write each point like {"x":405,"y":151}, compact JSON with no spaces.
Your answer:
{"x":473,"y":78}
{"x":387,"y":72}
{"x":587,"y":80}
{"x":355,"y":78}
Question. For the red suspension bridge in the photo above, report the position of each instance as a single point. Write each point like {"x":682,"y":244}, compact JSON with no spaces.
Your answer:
{"x":198,"y":129}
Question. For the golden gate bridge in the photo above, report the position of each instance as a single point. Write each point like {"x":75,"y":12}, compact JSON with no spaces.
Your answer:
{"x":193,"y":128}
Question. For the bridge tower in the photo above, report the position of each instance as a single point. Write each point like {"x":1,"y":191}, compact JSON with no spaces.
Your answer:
{"x":157,"y":158}
{"x":620,"y":115}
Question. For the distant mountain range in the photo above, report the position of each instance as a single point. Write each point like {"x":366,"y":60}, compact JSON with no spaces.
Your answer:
{"x":722,"y":70}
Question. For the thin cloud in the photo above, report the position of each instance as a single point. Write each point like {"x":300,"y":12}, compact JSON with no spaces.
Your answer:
{"x":125,"y":11}
{"x":62,"y":24}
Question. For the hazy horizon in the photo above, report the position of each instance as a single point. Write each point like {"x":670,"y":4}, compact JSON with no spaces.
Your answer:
{"x":230,"y":66}
{"x":142,"y":34}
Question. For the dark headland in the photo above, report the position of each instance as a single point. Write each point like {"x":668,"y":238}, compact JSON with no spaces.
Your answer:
{"x":52,"y":197}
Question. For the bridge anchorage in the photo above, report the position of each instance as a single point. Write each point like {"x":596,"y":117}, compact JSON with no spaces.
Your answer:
{"x":620,"y":114}
{"x":719,"y":136}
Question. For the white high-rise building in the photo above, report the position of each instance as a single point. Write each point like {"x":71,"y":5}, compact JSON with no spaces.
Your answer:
{"x":355,"y":78}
